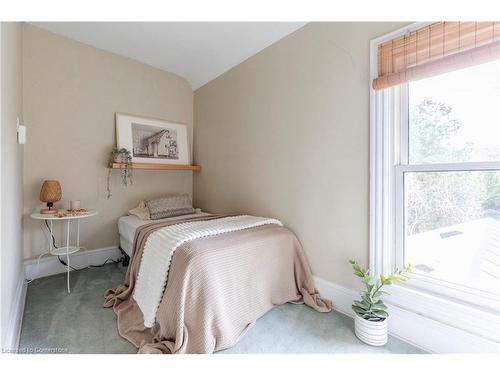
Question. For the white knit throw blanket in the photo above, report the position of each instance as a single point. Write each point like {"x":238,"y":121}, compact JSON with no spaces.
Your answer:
{"x":160,"y":247}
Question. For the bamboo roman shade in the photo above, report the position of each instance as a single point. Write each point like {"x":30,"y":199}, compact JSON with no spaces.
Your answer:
{"x":435,"y":49}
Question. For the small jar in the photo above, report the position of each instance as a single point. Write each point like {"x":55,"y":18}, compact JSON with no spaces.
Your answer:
{"x":74,"y":205}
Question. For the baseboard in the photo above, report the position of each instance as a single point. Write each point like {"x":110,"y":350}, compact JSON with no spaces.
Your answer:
{"x":341,"y":297}
{"x":420,"y":331}
{"x":50,"y":265}
{"x":11,"y":339}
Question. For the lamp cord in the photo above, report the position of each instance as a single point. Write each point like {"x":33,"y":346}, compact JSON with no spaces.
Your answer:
{"x":50,"y":233}
{"x":73,"y":268}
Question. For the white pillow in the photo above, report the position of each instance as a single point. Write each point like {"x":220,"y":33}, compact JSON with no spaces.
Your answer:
{"x":141,"y":211}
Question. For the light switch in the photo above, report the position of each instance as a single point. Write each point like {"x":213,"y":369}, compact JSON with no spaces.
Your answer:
{"x":21,"y":133}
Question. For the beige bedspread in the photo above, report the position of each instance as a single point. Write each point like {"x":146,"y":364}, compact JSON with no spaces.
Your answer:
{"x":217,"y":288}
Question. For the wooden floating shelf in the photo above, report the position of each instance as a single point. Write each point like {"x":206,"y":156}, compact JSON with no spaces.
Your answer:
{"x":159,"y":167}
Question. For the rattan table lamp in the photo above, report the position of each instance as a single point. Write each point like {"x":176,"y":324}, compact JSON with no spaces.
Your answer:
{"x":50,"y":193}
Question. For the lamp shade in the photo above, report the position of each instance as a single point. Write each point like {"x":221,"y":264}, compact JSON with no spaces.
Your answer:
{"x":51,"y":191}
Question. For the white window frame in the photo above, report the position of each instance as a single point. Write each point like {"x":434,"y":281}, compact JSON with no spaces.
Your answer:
{"x":465,"y":308}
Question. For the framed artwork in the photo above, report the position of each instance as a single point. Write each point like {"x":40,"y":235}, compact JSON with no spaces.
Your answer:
{"x":152,"y":140}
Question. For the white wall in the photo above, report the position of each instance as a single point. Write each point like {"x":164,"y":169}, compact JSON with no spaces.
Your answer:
{"x":286,"y":134}
{"x":12,"y":275}
{"x":71,"y":92}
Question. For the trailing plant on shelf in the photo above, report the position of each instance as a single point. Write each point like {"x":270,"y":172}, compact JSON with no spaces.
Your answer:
{"x":371,"y":307}
{"x":123,"y":157}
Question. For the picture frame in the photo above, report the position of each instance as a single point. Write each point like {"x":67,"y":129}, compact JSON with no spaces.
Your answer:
{"x":152,"y":140}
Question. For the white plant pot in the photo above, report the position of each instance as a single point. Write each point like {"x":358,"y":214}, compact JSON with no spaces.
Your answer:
{"x":372,"y":333}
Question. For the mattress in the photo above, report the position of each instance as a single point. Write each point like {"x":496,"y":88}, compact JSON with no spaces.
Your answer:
{"x":127,"y":225}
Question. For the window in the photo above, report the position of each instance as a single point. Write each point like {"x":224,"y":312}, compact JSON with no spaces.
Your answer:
{"x":435,"y":180}
{"x":451,"y":219}
{"x":455,"y":117}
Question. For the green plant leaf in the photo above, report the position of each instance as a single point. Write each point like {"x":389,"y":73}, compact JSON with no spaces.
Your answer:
{"x":378,"y":294}
{"x":367,"y":299}
{"x":381,"y":314}
{"x":361,"y":304}
{"x":358,"y":310}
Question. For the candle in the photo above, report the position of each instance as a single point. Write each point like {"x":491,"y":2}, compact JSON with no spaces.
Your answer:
{"x":74,"y":205}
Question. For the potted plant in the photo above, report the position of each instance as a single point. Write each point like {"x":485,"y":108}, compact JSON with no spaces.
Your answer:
{"x":370,"y":321}
{"x":124,"y":157}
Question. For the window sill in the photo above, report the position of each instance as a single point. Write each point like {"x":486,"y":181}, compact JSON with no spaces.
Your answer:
{"x":457,"y":314}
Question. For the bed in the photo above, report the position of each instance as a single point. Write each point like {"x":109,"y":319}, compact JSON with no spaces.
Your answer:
{"x":196,"y":283}
{"x":127,"y":226}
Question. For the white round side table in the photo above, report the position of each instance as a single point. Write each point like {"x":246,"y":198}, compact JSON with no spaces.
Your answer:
{"x":64,"y":250}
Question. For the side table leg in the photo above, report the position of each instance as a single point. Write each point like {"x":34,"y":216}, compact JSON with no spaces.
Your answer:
{"x":67,"y":254}
{"x":78,"y":234}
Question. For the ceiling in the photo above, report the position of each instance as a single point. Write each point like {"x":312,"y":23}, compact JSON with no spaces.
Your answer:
{"x":197,"y":51}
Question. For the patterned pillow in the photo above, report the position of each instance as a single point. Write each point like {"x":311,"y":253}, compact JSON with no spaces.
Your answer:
{"x":173,"y":205}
